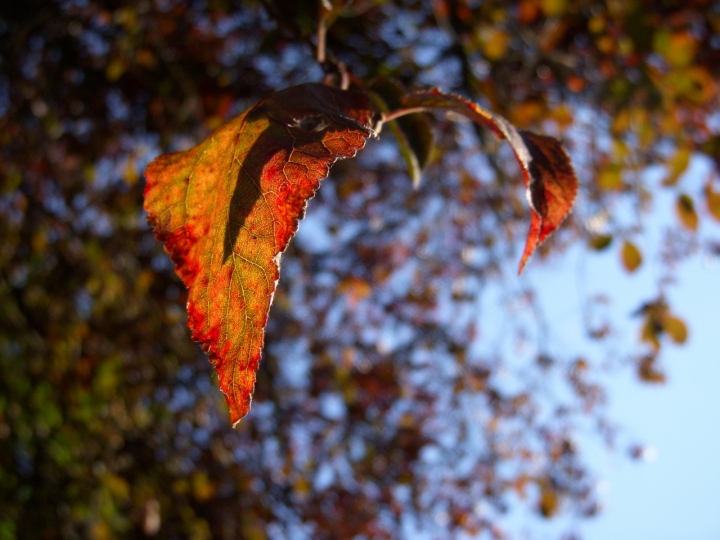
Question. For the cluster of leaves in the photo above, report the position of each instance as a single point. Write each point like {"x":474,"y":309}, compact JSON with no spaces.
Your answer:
{"x":227,"y":208}
{"x":380,"y":407}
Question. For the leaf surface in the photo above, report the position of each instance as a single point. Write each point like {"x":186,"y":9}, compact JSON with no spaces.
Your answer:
{"x":227,"y":208}
{"x":550,"y":181}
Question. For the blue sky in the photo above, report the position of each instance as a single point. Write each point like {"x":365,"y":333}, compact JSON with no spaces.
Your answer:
{"x":673,"y":495}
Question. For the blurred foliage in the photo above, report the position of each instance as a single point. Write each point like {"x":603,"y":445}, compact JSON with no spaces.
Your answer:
{"x":381,"y":408}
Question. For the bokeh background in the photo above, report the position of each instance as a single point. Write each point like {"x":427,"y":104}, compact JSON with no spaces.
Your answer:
{"x":412,"y":385}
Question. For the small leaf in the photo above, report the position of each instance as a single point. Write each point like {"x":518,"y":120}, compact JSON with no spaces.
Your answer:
{"x":550,"y":181}
{"x":651,"y":331}
{"x":677,"y":165}
{"x":600,"y":242}
{"x":610,"y":178}
{"x":631,"y":256}
{"x":686,"y":211}
{"x":227,"y":208}
{"x":713,"y":201}
{"x":675,"y":328}
{"x":549,"y":502}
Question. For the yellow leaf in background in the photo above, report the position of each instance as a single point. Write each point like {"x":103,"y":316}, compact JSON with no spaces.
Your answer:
{"x":677,"y":165}
{"x":682,"y":48}
{"x":301,"y":487}
{"x":494,"y":43}
{"x":610,"y":178}
{"x":549,"y":503}
{"x":713,"y":201}
{"x":117,"y":486}
{"x":685,"y":208}
{"x":631,"y":256}
{"x":600,"y":242}
{"x":115,"y":68}
{"x":693,"y":83}
{"x":202,"y":487}
{"x":675,"y":328}
{"x":650,"y":332}
{"x":130,"y":173}
{"x":563,"y":116}
{"x":621,"y":122}
{"x":554,"y":8}
{"x":596,"y":24}
{"x":526,"y":113}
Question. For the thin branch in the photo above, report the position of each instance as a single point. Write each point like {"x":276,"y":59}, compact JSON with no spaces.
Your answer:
{"x":394,"y":115}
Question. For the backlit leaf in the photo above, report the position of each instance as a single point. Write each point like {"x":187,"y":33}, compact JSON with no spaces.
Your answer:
{"x":227,"y":208}
{"x":550,"y":181}
{"x":600,"y":241}
{"x":713,"y":201}
{"x":631,"y":256}
{"x":686,"y":211}
{"x":677,"y":165}
{"x":675,"y":328}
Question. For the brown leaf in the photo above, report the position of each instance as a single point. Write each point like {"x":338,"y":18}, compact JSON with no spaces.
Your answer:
{"x":648,"y":370}
{"x":227,"y":208}
{"x":550,"y":181}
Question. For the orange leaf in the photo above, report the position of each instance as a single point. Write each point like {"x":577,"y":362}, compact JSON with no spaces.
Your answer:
{"x":549,"y":178}
{"x":227,"y":208}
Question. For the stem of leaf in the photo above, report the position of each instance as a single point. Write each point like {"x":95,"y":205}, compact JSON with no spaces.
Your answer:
{"x":394,"y":115}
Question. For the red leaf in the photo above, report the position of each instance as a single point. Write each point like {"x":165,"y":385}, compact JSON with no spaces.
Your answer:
{"x":550,"y":181}
{"x":227,"y":208}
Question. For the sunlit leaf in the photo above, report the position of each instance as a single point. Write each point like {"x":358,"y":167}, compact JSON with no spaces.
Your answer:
{"x":550,"y":181}
{"x":549,"y":502}
{"x":600,"y":242}
{"x":610,"y":178}
{"x":227,"y":208}
{"x":675,"y":328}
{"x":685,"y":208}
{"x":713,"y":201}
{"x":631,"y":256}
{"x":677,"y":165}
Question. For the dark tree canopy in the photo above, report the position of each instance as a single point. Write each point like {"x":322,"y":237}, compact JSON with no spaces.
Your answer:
{"x":382,"y":407}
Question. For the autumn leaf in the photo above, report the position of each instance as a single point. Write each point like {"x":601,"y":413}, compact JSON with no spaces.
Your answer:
{"x":685,"y":208}
{"x":631,"y":256}
{"x":658,"y":321}
{"x":600,"y":241}
{"x":227,"y":208}
{"x":713,"y":201}
{"x":550,"y":181}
